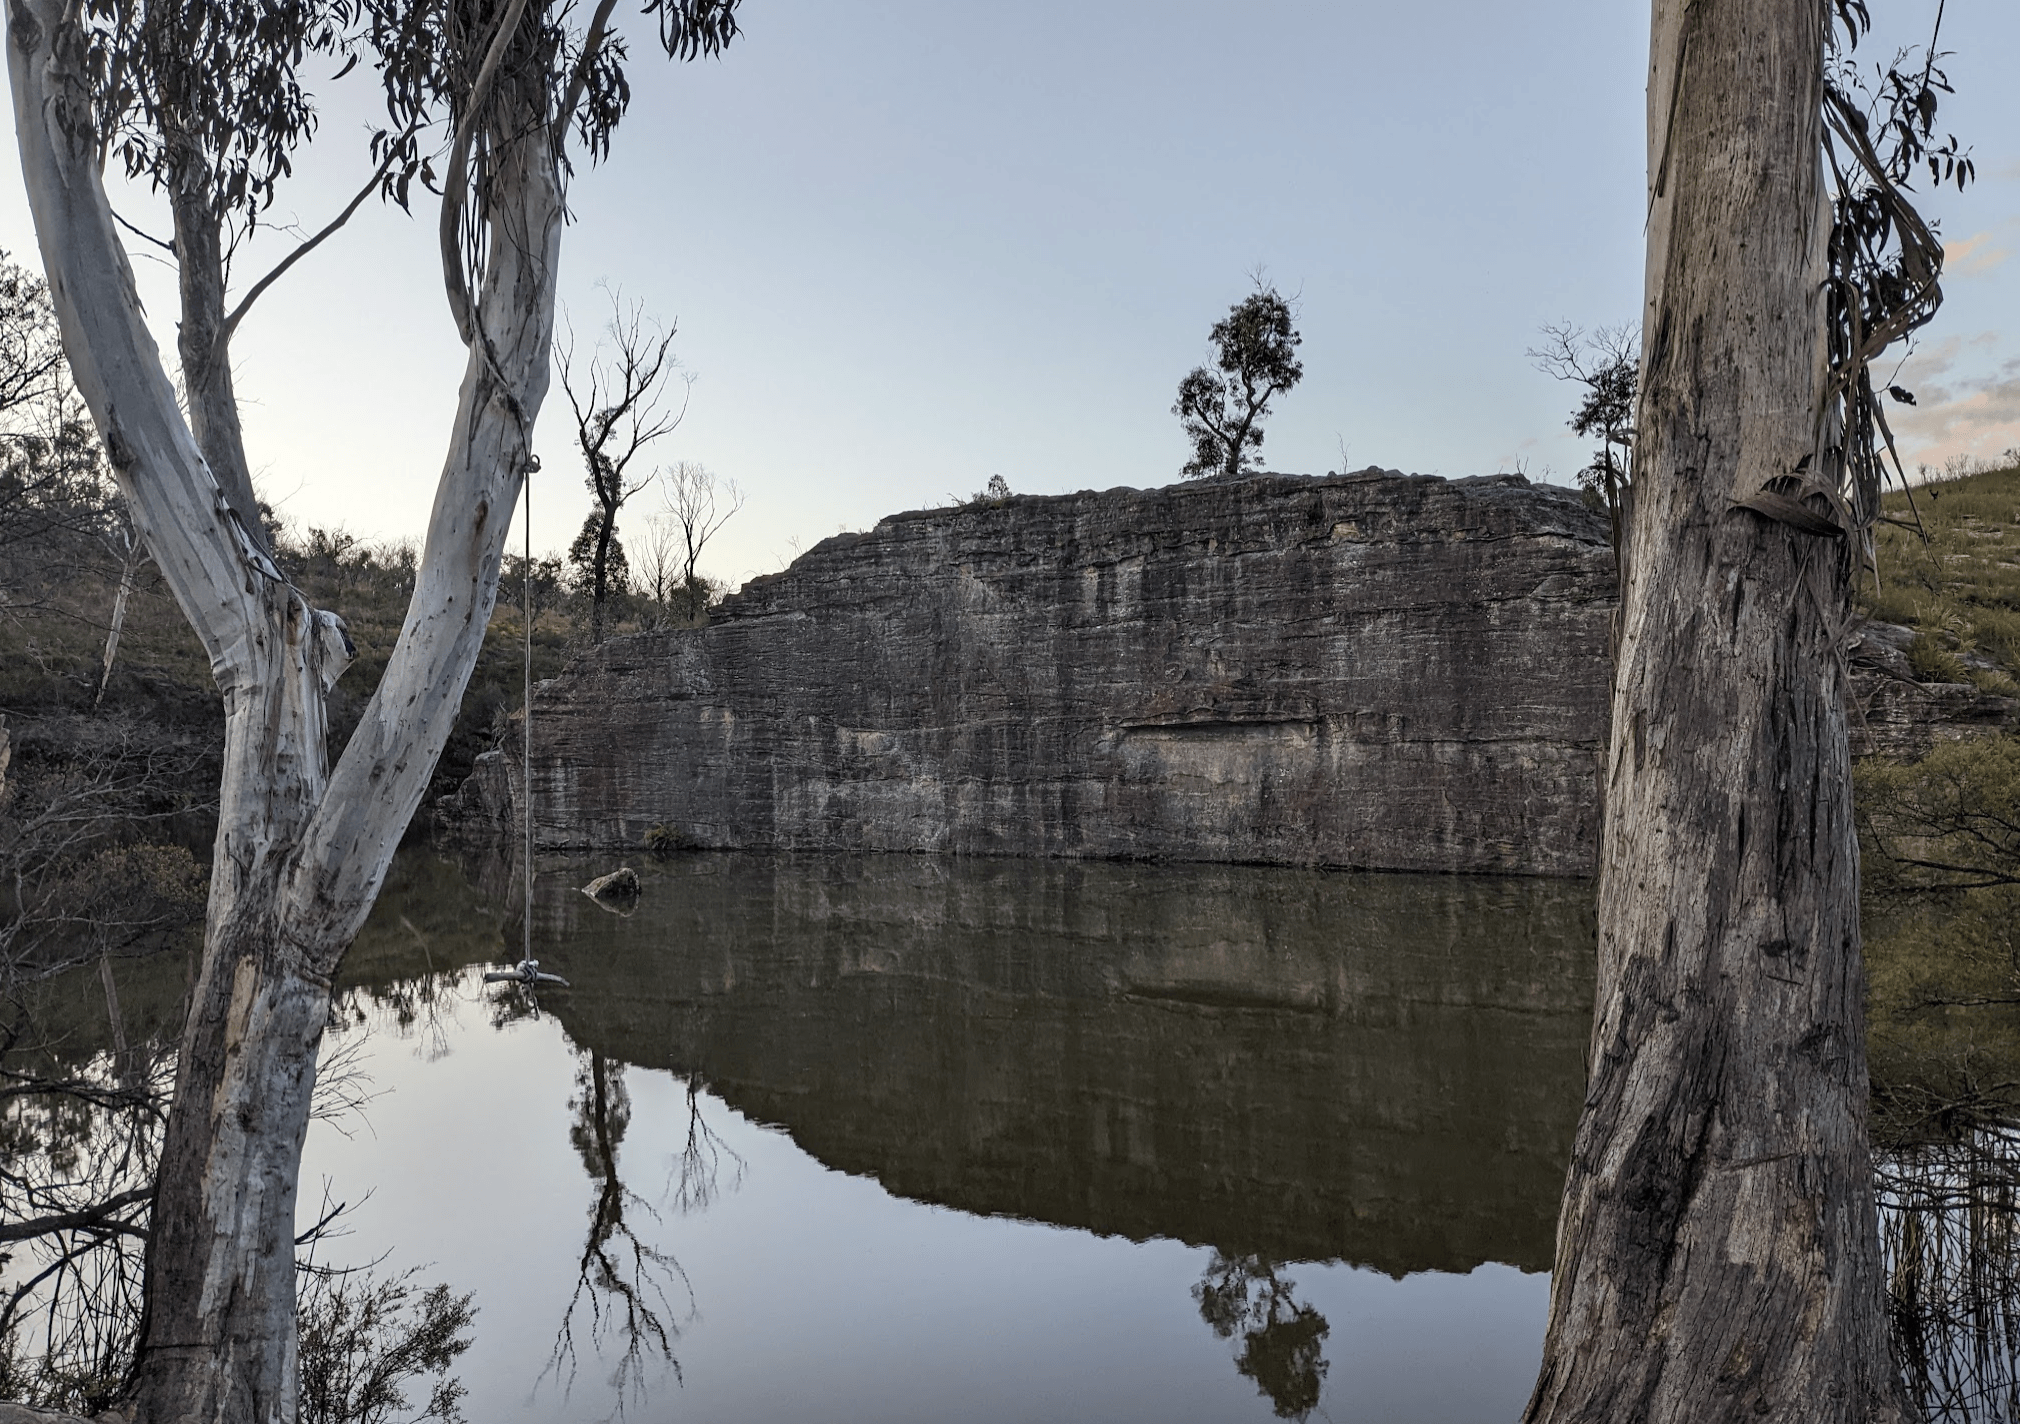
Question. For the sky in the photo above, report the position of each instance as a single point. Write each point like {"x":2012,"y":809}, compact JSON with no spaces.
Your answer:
{"x":911,"y":244}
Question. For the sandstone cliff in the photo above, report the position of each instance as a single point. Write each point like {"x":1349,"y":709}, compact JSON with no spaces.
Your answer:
{"x":1373,"y":670}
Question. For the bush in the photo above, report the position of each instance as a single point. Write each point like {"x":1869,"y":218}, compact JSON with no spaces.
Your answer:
{"x":663,"y":841}
{"x":1932,"y":663}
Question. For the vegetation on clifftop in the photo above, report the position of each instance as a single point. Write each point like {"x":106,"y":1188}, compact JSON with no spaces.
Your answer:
{"x":1941,"y":836}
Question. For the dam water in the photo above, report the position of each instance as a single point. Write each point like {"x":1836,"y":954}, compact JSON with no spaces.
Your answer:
{"x":910,"y":1138}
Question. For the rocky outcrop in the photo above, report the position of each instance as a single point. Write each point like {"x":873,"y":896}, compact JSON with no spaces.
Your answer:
{"x":1373,"y":669}
{"x":1895,"y":715}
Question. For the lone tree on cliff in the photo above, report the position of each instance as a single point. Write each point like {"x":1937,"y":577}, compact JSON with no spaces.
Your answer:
{"x":204,"y":100}
{"x":620,"y":406}
{"x":1222,"y":407}
{"x":1607,"y":363}
{"x":1717,"y":1251}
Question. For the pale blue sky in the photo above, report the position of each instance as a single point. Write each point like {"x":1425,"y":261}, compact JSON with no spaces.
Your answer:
{"x":913,"y":243}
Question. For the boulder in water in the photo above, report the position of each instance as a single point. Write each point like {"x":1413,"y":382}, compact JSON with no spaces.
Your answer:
{"x":620,"y":884}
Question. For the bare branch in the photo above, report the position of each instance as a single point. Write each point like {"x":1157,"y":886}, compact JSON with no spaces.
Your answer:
{"x":245,"y":303}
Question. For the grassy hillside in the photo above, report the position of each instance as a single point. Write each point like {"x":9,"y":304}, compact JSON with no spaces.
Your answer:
{"x":1956,"y":581}
{"x":94,"y":779}
{"x":1941,"y":837}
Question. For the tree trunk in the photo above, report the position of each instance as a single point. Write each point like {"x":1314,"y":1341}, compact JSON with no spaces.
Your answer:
{"x":301,"y":852}
{"x":599,"y":581}
{"x":129,"y":575}
{"x":1717,"y":1255}
{"x":219,"y":1338}
{"x":201,"y":343}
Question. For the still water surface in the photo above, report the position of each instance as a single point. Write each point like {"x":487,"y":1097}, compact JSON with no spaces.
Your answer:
{"x":897,"y":1138}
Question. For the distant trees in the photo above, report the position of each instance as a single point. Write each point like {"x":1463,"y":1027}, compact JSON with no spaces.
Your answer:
{"x":52,"y":470}
{"x":1222,"y":406}
{"x":1607,"y":364}
{"x":698,"y":504}
{"x":621,"y":406}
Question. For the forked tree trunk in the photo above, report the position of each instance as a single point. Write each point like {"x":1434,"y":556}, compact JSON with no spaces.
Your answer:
{"x":301,"y":852}
{"x":1717,"y":1256}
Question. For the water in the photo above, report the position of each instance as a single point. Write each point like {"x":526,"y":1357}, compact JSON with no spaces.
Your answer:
{"x":898,"y":1138}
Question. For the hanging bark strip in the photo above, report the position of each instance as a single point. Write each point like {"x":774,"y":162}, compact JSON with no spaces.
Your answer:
{"x":1717,"y":1253}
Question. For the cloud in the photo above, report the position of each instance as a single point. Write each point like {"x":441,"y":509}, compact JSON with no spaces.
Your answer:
{"x":1973,"y":257}
{"x":1972,"y":412}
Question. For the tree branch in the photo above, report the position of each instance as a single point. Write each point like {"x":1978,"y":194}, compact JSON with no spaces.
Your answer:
{"x":592,"y":42}
{"x":456,"y":182}
{"x":238,"y":312}
{"x":96,"y":1217}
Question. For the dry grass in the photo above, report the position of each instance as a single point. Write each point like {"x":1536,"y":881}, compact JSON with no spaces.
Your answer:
{"x":1958,"y":587}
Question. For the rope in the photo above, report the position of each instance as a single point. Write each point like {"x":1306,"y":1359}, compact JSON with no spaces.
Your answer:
{"x":526,"y":729}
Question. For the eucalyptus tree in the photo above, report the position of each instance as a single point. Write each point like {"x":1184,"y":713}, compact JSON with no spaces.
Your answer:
{"x":1717,"y":1250}
{"x":1222,"y":407}
{"x":1607,"y":363}
{"x":206,"y":100}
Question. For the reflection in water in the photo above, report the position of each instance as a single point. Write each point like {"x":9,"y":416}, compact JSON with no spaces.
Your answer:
{"x":1380,"y":1069}
{"x":86,"y":1065}
{"x":1281,"y":1066}
{"x":621,"y":1283}
{"x":1950,"y":1230}
{"x":1278,"y":1067}
{"x":1280,"y":1339}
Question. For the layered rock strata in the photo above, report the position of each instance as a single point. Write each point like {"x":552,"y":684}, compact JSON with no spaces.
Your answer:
{"x":1372,"y":670}
{"x":1376,"y":670}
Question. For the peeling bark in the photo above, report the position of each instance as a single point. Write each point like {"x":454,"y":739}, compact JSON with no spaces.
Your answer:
{"x":1717,"y":1253}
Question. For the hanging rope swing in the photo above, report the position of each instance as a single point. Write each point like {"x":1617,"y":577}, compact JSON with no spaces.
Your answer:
{"x":527,"y":971}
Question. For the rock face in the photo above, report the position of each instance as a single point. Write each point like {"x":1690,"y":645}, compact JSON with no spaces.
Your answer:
{"x":1376,"y":670}
{"x":1373,"y":670}
{"x":1893,"y":715}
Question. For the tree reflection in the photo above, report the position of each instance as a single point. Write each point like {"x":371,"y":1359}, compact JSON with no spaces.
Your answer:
{"x":1950,"y":1232}
{"x":622,"y":1284}
{"x":698,"y":1171}
{"x":1280,"y":1339}
{"x":78,"y":1147}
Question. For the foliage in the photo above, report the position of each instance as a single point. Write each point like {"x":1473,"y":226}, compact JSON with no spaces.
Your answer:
{"x":1282,"y":1346}
{"x":1222,"y":407}
{"x":663,"y":841}
{"x":1607,"y":364}
{"x":363,"y":1340}
{"x":1940,"y":842}
{"x":89,"y":863}
{"x":1940,"y":837}
{"x":1884,"y":261}
{"x":53,"y":479}
{"x":210,"y":94}
{"x":602,"y":571}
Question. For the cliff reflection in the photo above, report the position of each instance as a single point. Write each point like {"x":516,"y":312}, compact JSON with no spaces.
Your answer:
{"x":1284,"y":1065}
